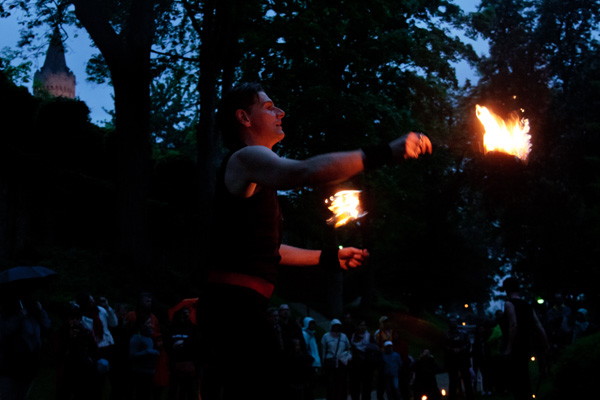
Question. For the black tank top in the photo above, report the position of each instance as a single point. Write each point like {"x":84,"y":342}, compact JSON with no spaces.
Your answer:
{"x":524,"y":314}
{"x":246,"y":233}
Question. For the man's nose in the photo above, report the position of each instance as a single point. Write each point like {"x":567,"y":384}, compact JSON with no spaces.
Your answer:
{"x":280,"y":113}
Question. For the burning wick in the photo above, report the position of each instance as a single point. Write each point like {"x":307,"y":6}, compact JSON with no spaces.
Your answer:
{"x":345,"y":206}
{"x":510,"y":137}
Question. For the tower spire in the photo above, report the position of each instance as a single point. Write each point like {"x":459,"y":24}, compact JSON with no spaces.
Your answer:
{"x":55,"y":78}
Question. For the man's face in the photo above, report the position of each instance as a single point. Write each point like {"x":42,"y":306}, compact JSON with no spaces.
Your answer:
{"x":265,"y":120}
{"x":146,"y":302}
{"x":362,"y":327}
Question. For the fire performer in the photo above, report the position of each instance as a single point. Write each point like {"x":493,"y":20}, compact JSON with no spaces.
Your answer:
{"x":242,"y":359}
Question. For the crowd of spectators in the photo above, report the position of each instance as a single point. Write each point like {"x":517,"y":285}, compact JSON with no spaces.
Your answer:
{"x":126,"y":352}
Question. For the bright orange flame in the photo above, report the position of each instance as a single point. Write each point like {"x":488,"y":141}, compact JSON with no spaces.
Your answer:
{"x":443,"y":392}
{"x":510,"y":137}
{"x":345,"y":206}
{"x":423,"y":397}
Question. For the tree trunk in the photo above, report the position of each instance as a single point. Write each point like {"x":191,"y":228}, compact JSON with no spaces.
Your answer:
{"x":127,"y":55}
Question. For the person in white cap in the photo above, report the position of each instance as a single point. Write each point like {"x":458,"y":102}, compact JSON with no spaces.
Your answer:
{"x":392,"y":362}
{"x":337,"y":352}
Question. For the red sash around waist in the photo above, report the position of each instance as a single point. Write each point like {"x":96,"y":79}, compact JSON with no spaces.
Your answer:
{"x":255,"y":283}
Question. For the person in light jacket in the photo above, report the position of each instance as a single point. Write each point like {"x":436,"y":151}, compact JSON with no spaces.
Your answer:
{"x":337,"y":353}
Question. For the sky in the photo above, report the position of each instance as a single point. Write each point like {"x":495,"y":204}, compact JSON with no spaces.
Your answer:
{"x":99,"y":97}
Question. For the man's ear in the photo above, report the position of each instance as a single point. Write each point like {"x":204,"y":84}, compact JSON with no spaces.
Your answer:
{"x":242,"y":117}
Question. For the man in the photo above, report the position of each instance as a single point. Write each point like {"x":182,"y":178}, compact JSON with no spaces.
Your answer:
{"x":99,"y":319}
{"x":246,"y":238}
{"x":522,"y":327}
{"x":336,"y":354}
{"x":392,"y":362}
{"x":458,"y":361}
{"x":290,"y":329}
{"x":309,"y":331}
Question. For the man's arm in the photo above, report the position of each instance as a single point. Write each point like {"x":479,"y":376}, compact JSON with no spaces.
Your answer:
{"x":349,"y":257}
{"x":258,"y":165}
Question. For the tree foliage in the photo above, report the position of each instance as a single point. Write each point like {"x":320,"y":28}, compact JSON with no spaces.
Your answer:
{"x":541,"y":52}
{"x":349,"y":74}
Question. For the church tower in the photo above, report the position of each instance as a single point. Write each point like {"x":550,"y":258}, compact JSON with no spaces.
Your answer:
{"x":55,"y":78}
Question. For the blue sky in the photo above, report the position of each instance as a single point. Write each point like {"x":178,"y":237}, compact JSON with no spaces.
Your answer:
{"x":99,"y":97}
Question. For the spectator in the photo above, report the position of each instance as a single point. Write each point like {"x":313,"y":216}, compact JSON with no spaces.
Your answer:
{"x":143,"y":358}
{"x":458,"y":361}
{"x":298,"y":366}
{"x":121,"y":369}
{"x":76,"y":358}
{"x":161,"y":374}
{"x":348,"y":326}
{"x":424,"y":381}
{"x":559,"y":326}
{"x":309,"y":331}
{"x":363,"y":363}
{"x":392,"y":362}
{"x":521,"y":325}
{"x":384,"y":334}
{"x":273,"y":317}
{"x":482,"y":356}
{"x":182,"y":346}
{"x":583,"y":327}
{"x":495,"y":345}
{"x":337,"y":352}
{"x":99,"y":319}
{"x":22,"y":326}
{"x":289,"y":328}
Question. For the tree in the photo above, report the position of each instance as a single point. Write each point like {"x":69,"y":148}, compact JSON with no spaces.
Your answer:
{"x":541,"y":53}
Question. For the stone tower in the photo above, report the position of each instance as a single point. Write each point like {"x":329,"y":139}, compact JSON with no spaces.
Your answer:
{"x":55,"y":78}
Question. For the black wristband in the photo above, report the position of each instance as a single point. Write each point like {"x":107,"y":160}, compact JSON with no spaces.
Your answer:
{"x":329,"y":259}
{"x":377,"y":156}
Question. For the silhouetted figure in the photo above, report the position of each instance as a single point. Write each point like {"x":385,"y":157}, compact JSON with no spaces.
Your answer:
{"x":424,"y":380}
{"x":288,"y":327}
{"x":99,"y":320}
{"x":482,"y":357}
{"x":160,"y":379}
{"x":143,"y":358}
{"x":309,"y":331}
{"x":583,"y":327}
{"x":76,"y":354}
{"x":183,"y":344}
{"x":458,"y":361}
{"x":392,"y":362}
{"x":365,"y":358}
{"x":121,"y":367}
{"x":22,"y":326}
{"x":558,"y":325}
{"x":522,"y":326}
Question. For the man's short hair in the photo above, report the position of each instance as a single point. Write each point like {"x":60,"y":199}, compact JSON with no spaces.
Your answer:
{"x":241,"y":96}
{"x":511,"y":285}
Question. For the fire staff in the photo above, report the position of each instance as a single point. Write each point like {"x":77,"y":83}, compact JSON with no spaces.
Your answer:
{"x":246,"y":238}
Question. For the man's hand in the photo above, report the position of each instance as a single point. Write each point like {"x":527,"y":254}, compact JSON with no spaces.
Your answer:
{"x":410,"y":146}
{"x":351,"y":257}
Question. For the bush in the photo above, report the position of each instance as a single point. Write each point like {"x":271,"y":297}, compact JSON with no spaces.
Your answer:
{"x":577,"y":370}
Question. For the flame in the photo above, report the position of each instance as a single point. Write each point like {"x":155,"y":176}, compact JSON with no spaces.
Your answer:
{"x":510,"y":137}
{"x":443,"y":392}
{"x":345,"y":206}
